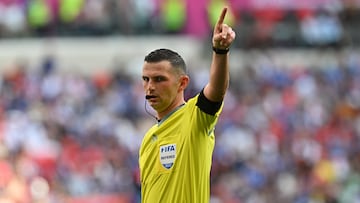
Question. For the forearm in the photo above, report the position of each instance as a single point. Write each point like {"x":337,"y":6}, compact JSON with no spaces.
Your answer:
{"x":219,"y":77}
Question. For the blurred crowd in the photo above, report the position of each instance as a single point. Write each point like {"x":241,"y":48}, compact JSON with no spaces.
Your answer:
{"x":290,"y":135}
{"x":261,"y":23}
{"x":68,"y":138}
{"x":286,"y":134}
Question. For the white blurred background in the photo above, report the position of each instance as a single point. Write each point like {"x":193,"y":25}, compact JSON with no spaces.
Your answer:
{"x":72,"y":106}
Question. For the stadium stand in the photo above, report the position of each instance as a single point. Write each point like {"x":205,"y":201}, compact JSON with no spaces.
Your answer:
{"x":72,"y":107}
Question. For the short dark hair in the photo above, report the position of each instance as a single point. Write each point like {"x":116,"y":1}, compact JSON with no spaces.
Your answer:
{"x":173,"y":57}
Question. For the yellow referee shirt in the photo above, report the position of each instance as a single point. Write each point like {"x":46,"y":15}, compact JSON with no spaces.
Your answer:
{"x":176,"y":154}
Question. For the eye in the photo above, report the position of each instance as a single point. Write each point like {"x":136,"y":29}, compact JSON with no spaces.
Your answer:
{"x":160,"y":78}
{"x":145,"y":79}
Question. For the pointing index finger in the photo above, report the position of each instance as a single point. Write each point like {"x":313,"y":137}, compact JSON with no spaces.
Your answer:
{"x":222,"y":16}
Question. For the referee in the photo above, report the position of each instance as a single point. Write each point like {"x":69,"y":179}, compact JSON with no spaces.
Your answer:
{"x":176,"y":153}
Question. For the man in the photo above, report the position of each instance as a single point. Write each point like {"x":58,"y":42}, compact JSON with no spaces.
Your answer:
{"x":176,"y":153}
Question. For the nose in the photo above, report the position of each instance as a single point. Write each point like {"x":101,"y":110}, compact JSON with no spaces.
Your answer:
{"x":149,"y":86}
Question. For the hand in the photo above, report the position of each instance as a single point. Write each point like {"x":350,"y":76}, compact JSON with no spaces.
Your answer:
{"x":223,"y":35}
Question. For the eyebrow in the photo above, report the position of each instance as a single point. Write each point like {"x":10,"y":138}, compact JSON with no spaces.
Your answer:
{"x":155,"y":76}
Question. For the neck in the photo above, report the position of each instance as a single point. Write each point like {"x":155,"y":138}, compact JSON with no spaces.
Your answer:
{"x":170,"y":109}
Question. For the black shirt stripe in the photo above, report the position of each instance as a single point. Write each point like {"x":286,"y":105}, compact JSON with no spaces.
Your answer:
{"x":206,"y":105}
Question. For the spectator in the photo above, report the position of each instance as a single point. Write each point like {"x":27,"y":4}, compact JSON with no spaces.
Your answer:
{"x":173,"y":15}
{"x":12,"y":18}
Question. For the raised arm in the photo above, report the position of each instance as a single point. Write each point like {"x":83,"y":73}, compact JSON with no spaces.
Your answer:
{"x":223,"y":37}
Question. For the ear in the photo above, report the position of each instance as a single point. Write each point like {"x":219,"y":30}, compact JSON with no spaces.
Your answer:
{"x":184,"y":81}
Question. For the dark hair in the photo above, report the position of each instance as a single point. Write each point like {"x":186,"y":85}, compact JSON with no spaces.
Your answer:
{"x":174,"y":58}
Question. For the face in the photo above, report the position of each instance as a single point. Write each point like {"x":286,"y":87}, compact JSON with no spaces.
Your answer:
{"x":164,"y":85}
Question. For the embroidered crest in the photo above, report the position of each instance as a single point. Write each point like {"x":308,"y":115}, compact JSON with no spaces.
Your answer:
{"x":167,"y":155}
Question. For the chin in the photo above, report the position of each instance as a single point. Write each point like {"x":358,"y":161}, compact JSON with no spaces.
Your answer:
{"x":154,"y":106}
